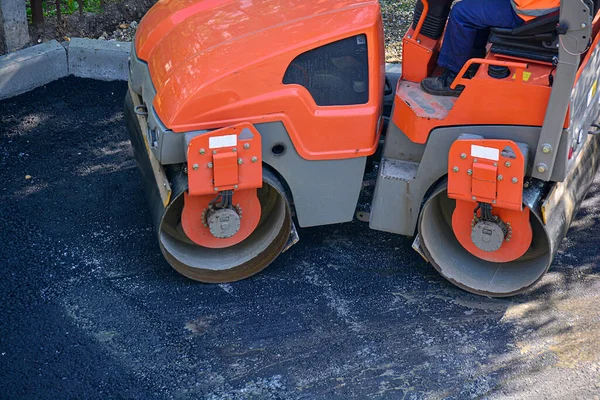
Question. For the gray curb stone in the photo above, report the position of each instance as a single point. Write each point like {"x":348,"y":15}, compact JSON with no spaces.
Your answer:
{"x":99,"y":59}
{"x":393,"y":68}
{"x":29,"y":68}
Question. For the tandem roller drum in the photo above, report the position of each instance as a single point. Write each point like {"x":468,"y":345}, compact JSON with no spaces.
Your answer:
{"x":216,"y":265}
{"x":551,"y":207}
{"x":213,"y":265}
{"x":459,"y":266}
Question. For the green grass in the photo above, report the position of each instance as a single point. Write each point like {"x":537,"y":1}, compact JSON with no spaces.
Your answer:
{"x":397,"y":17}
{"x":71,"y":6}
{"x":68,"y":7}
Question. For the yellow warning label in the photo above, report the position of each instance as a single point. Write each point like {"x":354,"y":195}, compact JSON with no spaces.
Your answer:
{"x":592,"y":92}
{"x":526,"y":76}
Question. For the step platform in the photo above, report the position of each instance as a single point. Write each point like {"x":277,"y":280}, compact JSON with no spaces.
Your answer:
{"x":423,"y":104}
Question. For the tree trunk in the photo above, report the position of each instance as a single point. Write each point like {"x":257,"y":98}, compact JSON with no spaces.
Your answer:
{"x":14,"y":33}
{"x":37,"y":13}
{"x":80,"y":8}
{"x":58,"y":12}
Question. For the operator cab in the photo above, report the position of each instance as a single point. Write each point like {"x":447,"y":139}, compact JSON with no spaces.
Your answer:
{"x":460,"y":172}
{"x":536,"y":40}
{"x":509,"y":85}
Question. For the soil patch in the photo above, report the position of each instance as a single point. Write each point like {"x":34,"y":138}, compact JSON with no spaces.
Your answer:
{"x":114,"y":23}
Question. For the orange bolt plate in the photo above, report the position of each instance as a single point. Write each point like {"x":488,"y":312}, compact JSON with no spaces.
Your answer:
{"x":488,"y":169}
{"x":213,"y":160}
{"x":226,"y":169}
{"x":484,"y":172}
{"x":484,"y":181}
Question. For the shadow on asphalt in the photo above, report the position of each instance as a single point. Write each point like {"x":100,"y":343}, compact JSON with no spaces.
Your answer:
{"x":90,"y":308}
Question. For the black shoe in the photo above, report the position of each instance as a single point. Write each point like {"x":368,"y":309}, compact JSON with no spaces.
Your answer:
{"x":440,"y":85}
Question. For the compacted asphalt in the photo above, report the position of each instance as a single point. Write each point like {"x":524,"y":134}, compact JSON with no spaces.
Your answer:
{"x":91,"y":310}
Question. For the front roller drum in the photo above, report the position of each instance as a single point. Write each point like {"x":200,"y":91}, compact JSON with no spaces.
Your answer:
{"x":454,"y":262}
{"x":236,"y":262}
{"x":209,"y":264}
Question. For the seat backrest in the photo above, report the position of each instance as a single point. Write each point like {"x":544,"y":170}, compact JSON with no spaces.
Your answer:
{"x":543,"y":24}
{"x":535,"y":39}
{"x":540,"y":25}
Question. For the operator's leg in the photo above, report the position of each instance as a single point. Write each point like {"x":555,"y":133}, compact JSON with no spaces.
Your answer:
{"x":467,"y":29}
{"x":480,"y":43}
{"x":467,"y":19}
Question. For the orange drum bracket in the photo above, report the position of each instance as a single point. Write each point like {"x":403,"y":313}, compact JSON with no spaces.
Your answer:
{"x":488,"y":171}
{"x":193,"y":218}
{"x":225,"y":159}
{"x":517,"y":241}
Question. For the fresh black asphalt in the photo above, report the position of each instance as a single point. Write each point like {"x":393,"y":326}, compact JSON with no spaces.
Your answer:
{"x":91,"y":310}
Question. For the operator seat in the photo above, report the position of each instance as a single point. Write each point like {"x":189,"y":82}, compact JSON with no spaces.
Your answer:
{"x":536,"y":39}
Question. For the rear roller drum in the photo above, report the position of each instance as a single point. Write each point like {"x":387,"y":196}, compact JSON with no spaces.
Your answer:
{"x":235,"y":262}
{"x":460,"y":264}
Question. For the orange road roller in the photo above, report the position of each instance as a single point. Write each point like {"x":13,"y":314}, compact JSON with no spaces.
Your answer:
{"x":248,"y":119}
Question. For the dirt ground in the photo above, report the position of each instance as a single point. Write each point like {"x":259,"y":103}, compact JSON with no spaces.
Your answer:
{"x":90,"y":309}
{"x":119,"y":20}
{"x":111,"y":24}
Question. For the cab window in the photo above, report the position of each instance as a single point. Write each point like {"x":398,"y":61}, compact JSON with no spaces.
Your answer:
{"x":336,"y":74}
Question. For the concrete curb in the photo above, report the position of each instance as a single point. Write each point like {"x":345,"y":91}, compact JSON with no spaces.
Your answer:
{"x":38,"y":65}
{"x":393,"y":68}
{"x":99,"y":59}
{"x":29,"y":68}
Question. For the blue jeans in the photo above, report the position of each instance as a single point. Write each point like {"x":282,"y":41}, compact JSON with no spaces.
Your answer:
{"x":469,"y":27}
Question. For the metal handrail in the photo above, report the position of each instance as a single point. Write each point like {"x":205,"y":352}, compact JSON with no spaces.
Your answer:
{"x":520,"y":68}
{"x":421,"y":19}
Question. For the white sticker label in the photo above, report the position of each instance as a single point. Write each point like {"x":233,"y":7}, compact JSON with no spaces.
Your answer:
{"x":217,"y":142}
{"x":489,"y":153}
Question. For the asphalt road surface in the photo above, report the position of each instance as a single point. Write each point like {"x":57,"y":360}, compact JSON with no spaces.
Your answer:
{"x":91,"y":310}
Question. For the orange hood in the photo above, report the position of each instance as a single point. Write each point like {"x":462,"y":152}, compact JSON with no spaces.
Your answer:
{"x":204,"y":55}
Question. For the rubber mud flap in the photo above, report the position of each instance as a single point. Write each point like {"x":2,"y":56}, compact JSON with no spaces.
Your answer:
{"x":143,"y":162}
